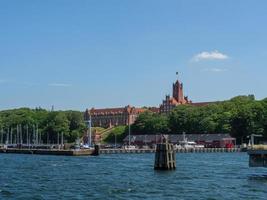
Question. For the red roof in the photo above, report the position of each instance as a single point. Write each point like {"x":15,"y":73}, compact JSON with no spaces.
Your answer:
{"x":203,"y":103}
{"x":110,"y":111}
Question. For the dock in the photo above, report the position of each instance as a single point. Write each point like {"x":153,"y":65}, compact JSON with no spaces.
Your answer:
{"x":193,"y":150}
{"x":258,"y":156}
{"x":57,"y":152}
{"x":87,"y":152}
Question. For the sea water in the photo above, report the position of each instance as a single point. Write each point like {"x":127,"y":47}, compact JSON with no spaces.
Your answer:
{"x":131,"y":176}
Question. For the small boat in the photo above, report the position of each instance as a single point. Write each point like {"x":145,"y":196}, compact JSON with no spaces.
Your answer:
{"x":86,"y":146}
{"x":130,"y":147}
{"x":185,"y":144}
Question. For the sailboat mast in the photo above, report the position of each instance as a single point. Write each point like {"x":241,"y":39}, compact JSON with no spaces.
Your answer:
{"x":11,"y":136}
{"x":7,"y":138}
{"x":20,"y":134}
{"x":2,"y":132}
{"x":17,"y":140}
{"x":90,"y":131}
{"x":37,"y":134}
{"x":27,"y":133}
{"x":129,"y":133}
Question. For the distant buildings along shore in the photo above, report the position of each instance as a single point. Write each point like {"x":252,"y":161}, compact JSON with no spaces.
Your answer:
{"x":109,"y":117}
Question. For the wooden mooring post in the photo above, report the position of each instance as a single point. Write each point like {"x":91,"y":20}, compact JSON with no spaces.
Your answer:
{"x":96,"y":150}
{"x":165,"y":157}
{"x":257,"y":157}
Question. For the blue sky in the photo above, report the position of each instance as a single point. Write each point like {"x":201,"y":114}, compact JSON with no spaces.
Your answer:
{"x":109,"y":53}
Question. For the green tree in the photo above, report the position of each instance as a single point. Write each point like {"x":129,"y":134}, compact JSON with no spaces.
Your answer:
{"x":57,"y":123}
{"x":151,"y":123}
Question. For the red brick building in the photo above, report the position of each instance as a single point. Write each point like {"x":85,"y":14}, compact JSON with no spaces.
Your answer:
{"x":177,"y":98}
{"x":109,"y":117}
{"x":220,"y":140}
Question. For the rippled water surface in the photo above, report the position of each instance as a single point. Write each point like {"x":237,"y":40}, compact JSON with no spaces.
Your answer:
{"x":130,"y":176}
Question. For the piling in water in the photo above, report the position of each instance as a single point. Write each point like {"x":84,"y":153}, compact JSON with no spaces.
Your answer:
{"x":257,"y":158}
{"x":165,"y":157}
{"x":96,"y":150}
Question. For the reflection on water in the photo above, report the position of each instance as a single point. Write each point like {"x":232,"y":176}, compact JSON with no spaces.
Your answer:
{"x":131,"y":176}
{"x":258,"y":177}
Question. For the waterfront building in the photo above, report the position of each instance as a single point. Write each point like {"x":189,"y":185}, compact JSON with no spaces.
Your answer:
{"x":208,"y":140}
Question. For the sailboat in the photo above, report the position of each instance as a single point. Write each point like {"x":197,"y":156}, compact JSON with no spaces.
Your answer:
{"x":129,"y":146}
{"x":89,"y":136}
{"x":185,"y":144}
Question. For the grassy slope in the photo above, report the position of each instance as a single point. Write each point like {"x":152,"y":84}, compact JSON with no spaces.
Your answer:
{"x":119,"y":131}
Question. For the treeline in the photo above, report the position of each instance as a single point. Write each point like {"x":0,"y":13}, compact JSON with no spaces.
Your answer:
{"x":240,"y":116}
{"x":49,"y":124}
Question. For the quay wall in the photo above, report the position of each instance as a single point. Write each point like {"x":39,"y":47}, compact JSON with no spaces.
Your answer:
{"x":113,"y":151}
{"x":49,"y":152}
{"x":199,"y":150}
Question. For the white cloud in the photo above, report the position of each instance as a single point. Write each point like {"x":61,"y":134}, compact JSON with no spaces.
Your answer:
{"x":59,"y":85}
{"x":216,"y":70}
{"x":213,"y":55}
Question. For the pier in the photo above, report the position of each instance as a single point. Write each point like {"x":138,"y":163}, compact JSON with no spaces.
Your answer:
{"x":258,"y":156}
{"x":56,"y":152}
{"x":195,"y":150}
{"x":86,"y":152}
{"x":257,"y":153}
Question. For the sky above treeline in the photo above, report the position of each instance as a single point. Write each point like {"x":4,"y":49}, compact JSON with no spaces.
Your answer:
{"x":111,"y":53}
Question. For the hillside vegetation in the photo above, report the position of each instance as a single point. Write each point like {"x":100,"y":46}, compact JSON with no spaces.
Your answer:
{"x":240,"y":116}
{"x":49,"y":124}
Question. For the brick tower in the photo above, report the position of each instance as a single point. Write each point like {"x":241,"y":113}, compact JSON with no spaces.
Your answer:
{"x":177,"y":92}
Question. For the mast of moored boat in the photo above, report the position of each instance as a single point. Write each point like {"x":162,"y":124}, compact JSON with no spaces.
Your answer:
{"x":2,"y":132}
{"x":129,"y":133}
{"x":62,"y":140}
{"x":90,"y":131}
{"x":33,"y":134}
{"x":37,"y":134}
{"x":17,"y":135}
{"x":21,"y":133}
{"x":7,"y":138}
{"x":57,"y":140}
{"x":27,"y":135}
{"x":11,"y":135}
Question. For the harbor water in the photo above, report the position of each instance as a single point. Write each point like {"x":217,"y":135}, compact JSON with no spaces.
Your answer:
{"x":131,"y":176}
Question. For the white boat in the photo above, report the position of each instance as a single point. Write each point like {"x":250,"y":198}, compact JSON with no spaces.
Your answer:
{"x":87,"y":146}
{"x":185,"y":144}
{"x":130,"y":147}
